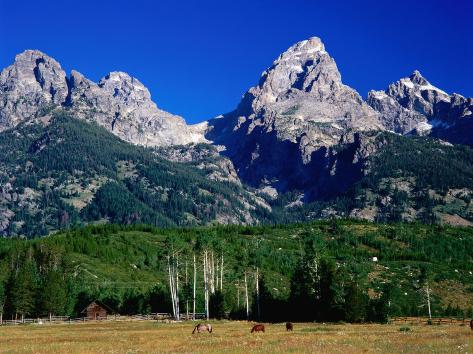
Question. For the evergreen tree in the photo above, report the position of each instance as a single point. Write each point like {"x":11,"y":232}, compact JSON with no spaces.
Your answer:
{"x":355,"y":304}
{"x":54,"y":295}
{"x":217,"y":305}
{"x":22,"y":290}
{"x":2,"y":300}
{"x":305,"y":286}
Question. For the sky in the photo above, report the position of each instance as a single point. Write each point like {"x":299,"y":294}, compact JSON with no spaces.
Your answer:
{"x":197,"y":58}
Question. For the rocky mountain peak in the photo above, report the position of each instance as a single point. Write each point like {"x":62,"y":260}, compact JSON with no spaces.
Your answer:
{"x":305,"y":48}
{"x":412,"y":105}
{"x":33,"y":82}
{"x":122,"y":85}
{"x":119,"y":102}
{"x":301,"y":96}
{"x":418,"y":79}
{"x":416,"y":85}
{"x":282,"y":132}
{"x":305,"y":67}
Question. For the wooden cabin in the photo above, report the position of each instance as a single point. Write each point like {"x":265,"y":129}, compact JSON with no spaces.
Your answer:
{"x":96,"y":310}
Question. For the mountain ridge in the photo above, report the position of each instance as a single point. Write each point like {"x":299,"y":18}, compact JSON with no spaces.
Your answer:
{"x":300,"y":145}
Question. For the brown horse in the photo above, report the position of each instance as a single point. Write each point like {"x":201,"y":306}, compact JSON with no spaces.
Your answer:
{"x":257,"y":328}
{"x":289,"y":326}
{"x":201,"y":327}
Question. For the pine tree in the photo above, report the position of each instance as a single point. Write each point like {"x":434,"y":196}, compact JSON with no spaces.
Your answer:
{"x":53,"y":296}
{"x":22,"y":292}
{"x":217,"y":305}
{"x":2,"y":301}
{"x":355,"y":304}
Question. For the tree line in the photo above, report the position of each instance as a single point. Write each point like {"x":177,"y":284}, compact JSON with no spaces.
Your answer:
{"x":318,"y":271}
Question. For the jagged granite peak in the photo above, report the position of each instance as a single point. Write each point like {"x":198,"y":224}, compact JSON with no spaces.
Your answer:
{"x":36,"y":82}
{"x":281,"y":132}
{"x":123,"y":105}
{"x":32,"y":83}
{"x":301,"y":97}
{"x":412,"y":105}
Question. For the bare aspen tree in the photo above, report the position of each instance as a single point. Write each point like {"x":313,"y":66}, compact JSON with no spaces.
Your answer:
{"x":427,"y":290}
{"x":212,"y":273}
{"x":187,"y":293}
{"x":238,"y":294}
{"x":193,"y":295}
{"x":257,"y":291}
{"x":173,"y":285}
{"x":246,"y":299}
{"x":218,"y":274}
{"x":221,"y":275}
{"x":206,"y":284}
{"x":176,"y":290}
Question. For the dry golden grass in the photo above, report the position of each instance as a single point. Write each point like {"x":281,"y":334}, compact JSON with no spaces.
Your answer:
{"x":233,"y":337}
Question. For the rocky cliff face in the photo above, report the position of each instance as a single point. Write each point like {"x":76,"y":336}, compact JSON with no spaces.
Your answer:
{"x":30,"y":85}
{"x":284,"y":131}
{"x":120,"y":103}
{"x":413,"y":105}
{"x":123,"y":105}
{"x":299,"y":129}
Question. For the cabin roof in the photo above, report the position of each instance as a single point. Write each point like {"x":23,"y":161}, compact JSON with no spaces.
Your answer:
{"x":99,"y":303}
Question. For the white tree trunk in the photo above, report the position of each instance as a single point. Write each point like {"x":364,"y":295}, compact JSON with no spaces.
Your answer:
{"x":173,"y":284}
{"x":246,"y":299}
{"x":238,"y":294}
{"x":187,"y":293}
{"x":171,"y":288}
{"x":193,"y":295}
{"x":176,"y":296}
{"x":257,"y":291}
{"x":218,"y":274}
{"x":206,"y":285}
{"x":221,"y":275}
{"x":428,"y":300}
{"x":212,"y":273}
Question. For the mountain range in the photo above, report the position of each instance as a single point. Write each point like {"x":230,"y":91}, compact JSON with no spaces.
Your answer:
{"x":300,"y":145}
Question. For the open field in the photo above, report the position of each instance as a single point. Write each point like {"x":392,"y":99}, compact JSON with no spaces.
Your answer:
{"x":233,"y":337}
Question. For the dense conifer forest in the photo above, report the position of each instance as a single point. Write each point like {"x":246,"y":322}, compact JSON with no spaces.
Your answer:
{"x":60,"y":172}
{"x":335,"y":270}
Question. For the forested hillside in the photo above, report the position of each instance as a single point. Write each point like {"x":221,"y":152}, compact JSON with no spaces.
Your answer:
{"x":407,"y":178}
{"x":57,"y":171}
{"x":326,"y":270}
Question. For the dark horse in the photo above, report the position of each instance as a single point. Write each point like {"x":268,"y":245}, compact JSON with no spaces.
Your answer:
{"x":471,"y":325}
{"x":201,"y":327}
{"x":289,"y":326}
{"x":257,"y":328}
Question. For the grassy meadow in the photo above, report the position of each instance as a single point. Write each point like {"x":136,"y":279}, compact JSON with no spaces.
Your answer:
{"x":234,"y":337}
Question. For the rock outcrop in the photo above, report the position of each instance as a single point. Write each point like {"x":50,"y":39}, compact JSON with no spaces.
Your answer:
{"x":413,"y":105}
{"x":123,"y":105}
{"x":283,"y":131}
{"x":35,"y":83}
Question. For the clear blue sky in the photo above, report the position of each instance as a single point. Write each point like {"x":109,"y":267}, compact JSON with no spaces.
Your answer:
{"x":198,"y":57}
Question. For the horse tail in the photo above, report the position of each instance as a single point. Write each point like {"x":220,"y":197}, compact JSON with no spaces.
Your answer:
{"x":253,"y":329}
{"x":195,"y":329}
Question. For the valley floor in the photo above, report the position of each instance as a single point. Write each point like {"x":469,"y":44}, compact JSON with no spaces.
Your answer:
{"x":234,"y":337}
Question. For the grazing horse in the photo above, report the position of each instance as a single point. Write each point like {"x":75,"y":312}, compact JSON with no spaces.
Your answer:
{"x":201,"y":327}
{"x":257,"y":328}
{"x":289,"y":326}
{"x":471,"y":325}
